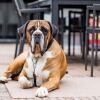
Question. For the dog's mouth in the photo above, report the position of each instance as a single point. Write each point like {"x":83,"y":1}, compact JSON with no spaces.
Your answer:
{"x":37,"y":52}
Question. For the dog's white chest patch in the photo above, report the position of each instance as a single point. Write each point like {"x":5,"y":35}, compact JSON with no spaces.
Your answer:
{"x":36,"y":67}
{"x":30,"y":69}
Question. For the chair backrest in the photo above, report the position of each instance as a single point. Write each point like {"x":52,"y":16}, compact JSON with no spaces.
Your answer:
{"x":19,"y":4}
{"x":75,"y":20}
{"x":93,"y":25}
{"x":12,"y":15}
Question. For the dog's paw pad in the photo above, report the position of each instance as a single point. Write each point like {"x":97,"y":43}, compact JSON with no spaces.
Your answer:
{"x":3,"y":79}
{"x":41,"y":92}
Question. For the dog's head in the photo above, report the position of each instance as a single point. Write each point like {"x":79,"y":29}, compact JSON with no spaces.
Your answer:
{"x":38,"y":35}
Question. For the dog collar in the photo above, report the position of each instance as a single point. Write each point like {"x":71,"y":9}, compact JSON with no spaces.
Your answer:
{"x":49,"y":45}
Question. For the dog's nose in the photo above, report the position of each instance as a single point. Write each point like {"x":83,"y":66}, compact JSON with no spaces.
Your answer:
{"x":37,"y":38}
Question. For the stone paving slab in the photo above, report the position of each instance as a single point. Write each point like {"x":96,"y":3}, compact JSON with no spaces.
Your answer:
{"x":4,"y":95}
{"x":69,"y":87}
{"x":76,"y":69}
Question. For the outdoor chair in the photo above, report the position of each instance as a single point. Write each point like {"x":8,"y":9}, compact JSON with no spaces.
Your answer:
{"x":3,"y":20}
{"x":75,"y":27}
{"x":94,"y":30}
{"x":12,"y":22}
{"x":24,"y":13}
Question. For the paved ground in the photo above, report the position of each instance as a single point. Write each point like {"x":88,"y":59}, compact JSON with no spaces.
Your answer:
{"x":4,"y":95}
{"x":6,"y":55}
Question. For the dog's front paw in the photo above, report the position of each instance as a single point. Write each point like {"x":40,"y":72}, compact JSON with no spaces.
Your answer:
{"x":24,"y":83}
{"x":3,"y":79}
{"x":41,"y":92}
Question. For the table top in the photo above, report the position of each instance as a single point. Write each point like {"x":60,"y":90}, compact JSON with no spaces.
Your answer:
{"x":55,"y":4}
{"x":70,"y":2}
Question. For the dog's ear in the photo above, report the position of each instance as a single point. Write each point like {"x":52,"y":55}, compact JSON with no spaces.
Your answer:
{"x":22,"y":30}
{"x":54,"y":29}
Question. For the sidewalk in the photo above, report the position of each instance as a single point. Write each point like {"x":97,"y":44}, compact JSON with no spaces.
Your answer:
{"x":75,"y":70}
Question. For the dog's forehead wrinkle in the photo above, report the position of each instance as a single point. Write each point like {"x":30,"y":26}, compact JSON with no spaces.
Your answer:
{"x":38,"y":24}
{"x":42,"y":23}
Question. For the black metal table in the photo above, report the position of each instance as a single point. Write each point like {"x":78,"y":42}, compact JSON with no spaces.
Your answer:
{"x":56,"y":5}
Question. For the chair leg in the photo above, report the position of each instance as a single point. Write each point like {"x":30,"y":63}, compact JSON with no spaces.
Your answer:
{"x":81,"y":42}
{"x":73,"y":43}
{"x":96,"y":55}
{"x":92,"y":58}
{"x":22,"y":41}
{"x":83,"y":46}
{"x":86,"y":38}
{"x":69,"y":42}
{"x":69,"y":36}
{"x":16,"y":48}
{"x":86,"y":49}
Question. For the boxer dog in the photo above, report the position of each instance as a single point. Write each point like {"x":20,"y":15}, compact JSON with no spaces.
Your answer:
{"x":43,"y":65}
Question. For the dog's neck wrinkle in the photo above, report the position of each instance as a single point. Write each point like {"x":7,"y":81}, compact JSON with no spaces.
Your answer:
{"x":35,"y":60}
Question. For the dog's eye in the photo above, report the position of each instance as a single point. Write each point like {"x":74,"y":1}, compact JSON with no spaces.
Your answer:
{"x":31,"y":30}
{"x":44,"y":30}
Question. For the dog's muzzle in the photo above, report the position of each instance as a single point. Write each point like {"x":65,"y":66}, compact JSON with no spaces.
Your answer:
{"x":37,"y":38}
{"x":37,"y":42}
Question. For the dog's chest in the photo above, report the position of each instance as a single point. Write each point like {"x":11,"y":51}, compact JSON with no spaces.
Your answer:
{"x":35,"y":67}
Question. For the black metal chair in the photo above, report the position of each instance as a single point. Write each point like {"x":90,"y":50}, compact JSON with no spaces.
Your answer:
{"x":94,"y":29}
{"x":24,"y":13}
{"x":75,"y":26}
{"x":12,"y":22}
{"x":3,"y":20}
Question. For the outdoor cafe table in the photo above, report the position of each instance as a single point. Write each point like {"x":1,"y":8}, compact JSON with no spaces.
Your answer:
{"x":57,"y":5}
